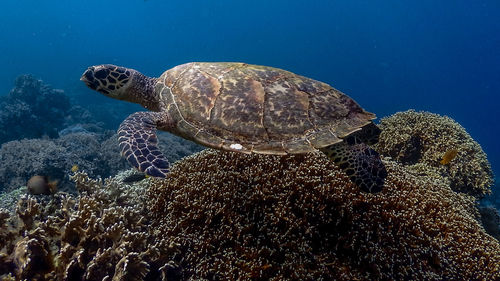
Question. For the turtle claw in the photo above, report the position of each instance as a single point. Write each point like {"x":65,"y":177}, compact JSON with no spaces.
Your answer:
{"x":139,"y":144}
{"x":157,"y":173}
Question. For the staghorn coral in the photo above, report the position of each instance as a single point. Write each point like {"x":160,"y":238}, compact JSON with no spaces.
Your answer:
{"x":421,"y":139}
{"x":103,"y":234}
{"x":223,"y":215}
{"x":259,"y":217}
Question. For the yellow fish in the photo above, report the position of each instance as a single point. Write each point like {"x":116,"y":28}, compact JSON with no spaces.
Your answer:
{"x":74,"y":169}
{"x":448,"y":156}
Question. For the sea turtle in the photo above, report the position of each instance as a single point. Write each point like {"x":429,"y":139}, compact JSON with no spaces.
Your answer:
{"x":241,"y":107}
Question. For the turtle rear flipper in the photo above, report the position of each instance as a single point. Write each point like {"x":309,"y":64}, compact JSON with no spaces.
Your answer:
{"x":361,"y":163}
{"x":368,"y":134}
{"x":139,"y":144}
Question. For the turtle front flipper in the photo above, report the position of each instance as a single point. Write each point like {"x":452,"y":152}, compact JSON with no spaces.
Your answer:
{"x":139,"y":144}
{"x":361,"y":163}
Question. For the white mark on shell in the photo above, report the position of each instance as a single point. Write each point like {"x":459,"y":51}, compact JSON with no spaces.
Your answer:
{"x":236,"y":146}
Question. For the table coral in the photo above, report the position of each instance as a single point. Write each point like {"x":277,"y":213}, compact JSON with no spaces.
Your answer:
{"x":259,"y":217}
{"x":421,"y":139}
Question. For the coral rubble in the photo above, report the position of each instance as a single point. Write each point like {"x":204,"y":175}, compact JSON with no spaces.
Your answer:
{"x":259,"y":217}
{"x":421,"y":139}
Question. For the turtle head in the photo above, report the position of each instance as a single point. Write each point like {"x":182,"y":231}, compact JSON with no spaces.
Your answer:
{"x":108,"y":79}
{"x":121,"y":83}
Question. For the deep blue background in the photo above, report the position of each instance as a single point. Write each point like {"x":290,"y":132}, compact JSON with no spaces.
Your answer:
{"x":439,"y":56}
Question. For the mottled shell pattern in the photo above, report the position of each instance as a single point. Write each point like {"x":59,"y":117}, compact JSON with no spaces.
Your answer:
{"x":251,"y":108}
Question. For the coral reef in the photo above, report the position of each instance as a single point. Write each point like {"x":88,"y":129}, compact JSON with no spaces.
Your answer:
{"x":96,"y":154}
{"x":20,"y":160}
{"x":260,"y":217}
{"x":231,"y":216}
{"x":32,"y":109}
{"x":228,"y":216}
{"x":421,"y":139}
{"x":103,"y":234}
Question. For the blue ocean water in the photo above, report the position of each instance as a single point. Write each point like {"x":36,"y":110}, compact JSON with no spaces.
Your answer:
{"x":439,"y":56}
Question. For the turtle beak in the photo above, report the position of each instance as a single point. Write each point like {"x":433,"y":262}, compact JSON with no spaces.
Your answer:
{"x":87,"y":75}
{"x":88,"y":78}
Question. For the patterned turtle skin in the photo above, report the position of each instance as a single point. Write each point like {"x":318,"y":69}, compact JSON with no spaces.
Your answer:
{"x":245,"y":108}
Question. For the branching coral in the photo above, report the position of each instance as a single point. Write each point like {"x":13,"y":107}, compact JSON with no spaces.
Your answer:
{"x":259,"y":217}
{"x":96,"y":154}
{"x":8,"y":200}
{"x":20,"y":160}
{"x":421,"y":139}
{"x":101,"y":235}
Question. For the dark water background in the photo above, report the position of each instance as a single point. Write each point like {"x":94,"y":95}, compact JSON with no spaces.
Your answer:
{"x":439,"y":56}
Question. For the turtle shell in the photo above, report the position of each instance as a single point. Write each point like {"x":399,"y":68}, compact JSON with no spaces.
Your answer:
{"x":251,"y":108}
